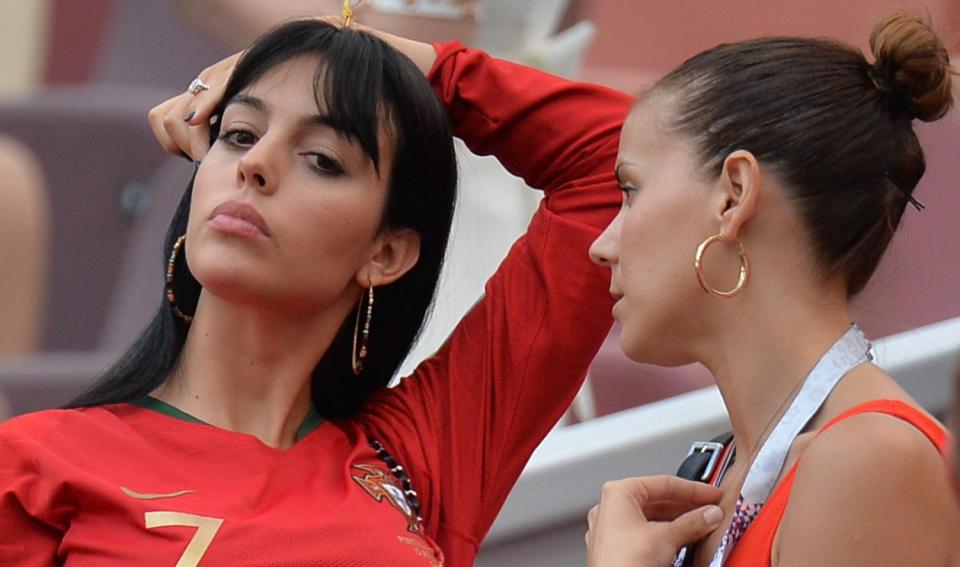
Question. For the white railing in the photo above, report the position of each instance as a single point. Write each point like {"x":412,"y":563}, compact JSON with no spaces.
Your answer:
{"x":564,"y":476}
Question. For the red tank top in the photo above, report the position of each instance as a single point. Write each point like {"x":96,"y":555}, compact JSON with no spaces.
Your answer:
{"x":756,"y":545}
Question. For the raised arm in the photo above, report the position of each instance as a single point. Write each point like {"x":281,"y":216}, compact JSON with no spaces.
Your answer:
{"x":473,"y":414}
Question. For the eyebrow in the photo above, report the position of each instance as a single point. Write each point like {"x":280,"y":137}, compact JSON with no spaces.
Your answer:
{"x":313,"y":120}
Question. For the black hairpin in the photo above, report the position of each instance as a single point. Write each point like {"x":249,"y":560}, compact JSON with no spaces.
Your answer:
{"x":908,"y":195}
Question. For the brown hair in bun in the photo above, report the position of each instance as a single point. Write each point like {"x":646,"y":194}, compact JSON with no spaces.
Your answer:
{"x":913,"y":66}
{"x":836,"y":129}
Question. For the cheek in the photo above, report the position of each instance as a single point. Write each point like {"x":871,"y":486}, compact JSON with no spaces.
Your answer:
{"x":328,"y":241}
{"x":331,"y":224}
{"x":656,"y":264}
{"x":654,"y":251}
{"x":211,"y":186}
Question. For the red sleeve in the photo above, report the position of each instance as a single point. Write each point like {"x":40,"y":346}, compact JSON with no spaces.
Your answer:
{"x":468,"y":419}
{"x":26,"y":537}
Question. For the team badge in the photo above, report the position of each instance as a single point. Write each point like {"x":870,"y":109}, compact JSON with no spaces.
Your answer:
{"x":382,"y":486}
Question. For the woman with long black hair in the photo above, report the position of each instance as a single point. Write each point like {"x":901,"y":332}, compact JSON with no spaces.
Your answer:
{"x":251,"y":424}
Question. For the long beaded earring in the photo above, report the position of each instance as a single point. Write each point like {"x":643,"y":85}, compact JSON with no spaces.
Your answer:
{"x":362,"y":336}
{"x":171,"y":296}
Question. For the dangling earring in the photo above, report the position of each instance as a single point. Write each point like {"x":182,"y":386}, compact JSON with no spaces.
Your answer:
{"x":744,"y":268}
{"x":362,"y":336}
{"x":171,"y":297}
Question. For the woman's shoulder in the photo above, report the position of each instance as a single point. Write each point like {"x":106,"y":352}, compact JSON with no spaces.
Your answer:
{"x":35,"y":424}
{"x":864,"y":477}
{"x":870,"y":416}
{"x":884,"y":434}
{"x":871,"y":441}
{"x":36,"y":428}
{"x":23,"y":438}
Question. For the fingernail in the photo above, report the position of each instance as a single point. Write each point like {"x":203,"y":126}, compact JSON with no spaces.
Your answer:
{"x":190,"y":116}
{"x":713,"y":515}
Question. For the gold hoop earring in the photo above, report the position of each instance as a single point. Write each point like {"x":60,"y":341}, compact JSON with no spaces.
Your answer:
{"x":362,"y":336}
{"x":744,"y":268}
{"x":171,"y":297}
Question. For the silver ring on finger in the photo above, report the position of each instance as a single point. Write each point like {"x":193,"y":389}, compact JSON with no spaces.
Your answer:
{"x":197,"y":86}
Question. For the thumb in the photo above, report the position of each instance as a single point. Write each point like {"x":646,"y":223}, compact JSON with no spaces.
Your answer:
{"x":694,"y":525}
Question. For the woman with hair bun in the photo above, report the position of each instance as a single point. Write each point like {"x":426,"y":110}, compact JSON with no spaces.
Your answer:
{"x":762,"y":182}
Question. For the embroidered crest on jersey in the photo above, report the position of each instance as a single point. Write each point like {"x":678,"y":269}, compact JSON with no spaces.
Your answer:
{"x":381,"y":485}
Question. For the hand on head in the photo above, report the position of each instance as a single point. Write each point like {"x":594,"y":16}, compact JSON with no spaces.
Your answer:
{"x":645,"y":521}
{"x":182,"y":123}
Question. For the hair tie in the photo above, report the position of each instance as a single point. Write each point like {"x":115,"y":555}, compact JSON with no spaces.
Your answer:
{"x":897,"y":99}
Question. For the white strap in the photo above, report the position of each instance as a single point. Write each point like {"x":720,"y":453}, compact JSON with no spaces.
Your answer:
{"x":852,"y":350}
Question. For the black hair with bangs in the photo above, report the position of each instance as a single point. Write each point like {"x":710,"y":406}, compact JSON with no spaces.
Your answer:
{"x":363,"y":85}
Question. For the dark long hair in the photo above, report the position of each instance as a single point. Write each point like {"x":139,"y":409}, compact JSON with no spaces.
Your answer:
{"x":364,"y":85}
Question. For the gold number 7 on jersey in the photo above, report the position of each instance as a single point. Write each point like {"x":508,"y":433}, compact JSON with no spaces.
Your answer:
{"x":206,"y":530}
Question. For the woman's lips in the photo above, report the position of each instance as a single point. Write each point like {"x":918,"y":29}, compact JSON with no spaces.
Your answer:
{"x":239,"y":219}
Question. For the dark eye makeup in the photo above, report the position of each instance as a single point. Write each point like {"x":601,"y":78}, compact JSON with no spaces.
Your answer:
{"x":244,"y":138}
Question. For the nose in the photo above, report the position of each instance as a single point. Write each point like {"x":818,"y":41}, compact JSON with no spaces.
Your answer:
{"x":257,"y":169}
{"x":605,"y":250}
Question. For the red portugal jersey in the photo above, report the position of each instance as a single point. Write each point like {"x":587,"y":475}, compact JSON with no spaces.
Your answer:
{"x":130,"y":485}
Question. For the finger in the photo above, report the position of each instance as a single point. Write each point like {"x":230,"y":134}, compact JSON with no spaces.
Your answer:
{"x":179,"y":131}
{"x":216,"y":78}
{"x":693,"y":526}
{"x":168,"y":125}
{"x":199,"y":141}
{"x":619,"y":499}
{"x":156,"y":120}
{"x":670,"y":488}
{"x":203,"y":106}
{"x":667,"y":511}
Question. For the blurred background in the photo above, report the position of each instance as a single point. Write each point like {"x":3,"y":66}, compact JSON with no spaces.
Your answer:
{"x":86,"y":194}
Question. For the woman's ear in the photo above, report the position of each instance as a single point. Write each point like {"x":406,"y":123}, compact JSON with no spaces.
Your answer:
{"x":395,"y":252}
{"x":740,"y":181}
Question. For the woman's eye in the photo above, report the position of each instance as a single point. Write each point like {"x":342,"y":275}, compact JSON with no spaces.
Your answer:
{"x":239,"y":138}
{"x":628,"y":192}
{"x":324,"y":164}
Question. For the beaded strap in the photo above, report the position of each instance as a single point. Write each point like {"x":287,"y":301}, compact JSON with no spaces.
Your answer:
{"x":400,"y":474}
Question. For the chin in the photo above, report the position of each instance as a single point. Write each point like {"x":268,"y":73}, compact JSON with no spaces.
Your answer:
{"x":229,"y":286}
{"x":659,"y":352}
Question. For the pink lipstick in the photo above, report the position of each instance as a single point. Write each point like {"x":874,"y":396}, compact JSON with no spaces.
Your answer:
{"x":239,"y":219}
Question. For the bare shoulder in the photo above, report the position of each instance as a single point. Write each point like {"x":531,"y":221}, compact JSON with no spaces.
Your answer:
{"x":873,"y":489}
{"x":881,"y":444}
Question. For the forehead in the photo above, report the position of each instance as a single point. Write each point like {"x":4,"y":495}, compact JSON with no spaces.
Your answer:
{"x":646,"y":137}
{"x":291,"y":86}
{"x":643,"y":132}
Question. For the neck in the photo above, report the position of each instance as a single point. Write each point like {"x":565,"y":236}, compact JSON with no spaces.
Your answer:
{"x":760,"y":363}
{"x":249,"y":370}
